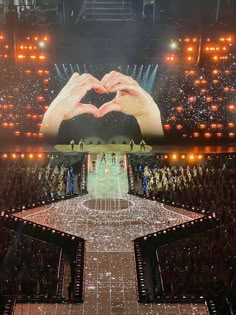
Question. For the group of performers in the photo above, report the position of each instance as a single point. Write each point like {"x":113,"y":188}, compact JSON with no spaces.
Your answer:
{"x":131,"y":144}
{"x":142,"y":145}
{"x":81,"y":144}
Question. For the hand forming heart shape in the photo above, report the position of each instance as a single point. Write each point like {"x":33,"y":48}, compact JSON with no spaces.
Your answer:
{"x":131,"y":99}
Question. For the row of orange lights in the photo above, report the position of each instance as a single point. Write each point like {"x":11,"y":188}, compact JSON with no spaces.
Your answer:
{"x":215,"y":48}
{"x":40,"y":72}
{"x":36,"y":38}
{"x":202,"y":126}
{"x":32,"y":57}
{"x":22,"y":156}
{"x":190,"y":157}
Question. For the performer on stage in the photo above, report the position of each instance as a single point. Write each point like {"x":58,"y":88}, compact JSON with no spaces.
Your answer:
{"x":131,"y":144}
{"x":81,"y":145}
{"x":103,"y":157}
{"x":142,"y":145}
{"x":72,"y":143}
{"x":113,"y":158}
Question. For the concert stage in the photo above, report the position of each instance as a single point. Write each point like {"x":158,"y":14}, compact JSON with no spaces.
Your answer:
{"x":121,"y":148}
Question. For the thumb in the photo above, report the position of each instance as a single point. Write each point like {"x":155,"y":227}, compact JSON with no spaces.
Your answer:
{"x":112,"y":106}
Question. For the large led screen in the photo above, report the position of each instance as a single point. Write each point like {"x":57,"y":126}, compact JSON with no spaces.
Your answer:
{"x":116,"y":103}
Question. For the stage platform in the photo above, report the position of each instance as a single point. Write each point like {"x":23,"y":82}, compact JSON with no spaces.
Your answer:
{"x":121,"y":148}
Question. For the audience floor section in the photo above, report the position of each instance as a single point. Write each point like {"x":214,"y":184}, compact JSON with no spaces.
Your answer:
{"x":110,"y":275}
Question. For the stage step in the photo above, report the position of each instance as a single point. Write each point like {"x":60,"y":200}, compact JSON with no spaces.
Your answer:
{"x":107,"y":10}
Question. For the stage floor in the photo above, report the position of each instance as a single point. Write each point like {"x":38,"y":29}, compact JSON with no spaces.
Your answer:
{"x":109,"y":229}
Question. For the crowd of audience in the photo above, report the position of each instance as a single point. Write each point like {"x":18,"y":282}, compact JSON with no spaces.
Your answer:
{"x":27,"y":266}
{"x":203,"y":264}
{"x":202,"y":186}
{"x":196,"y":100}
{"x":24,"y":183}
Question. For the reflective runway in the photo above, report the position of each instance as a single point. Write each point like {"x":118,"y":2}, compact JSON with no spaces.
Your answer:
{"x":110,"y":276}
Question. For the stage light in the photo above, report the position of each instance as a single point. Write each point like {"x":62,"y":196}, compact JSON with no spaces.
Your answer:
{"x":179,"y":127}
{"x":231,"y":135}
{"x":20,"y":56}
{"x":231,"y":107}
{"x":200,"y":157}
{"x":173,"y":45}
{"x":22,"y":156}
{"x":182,"y":156}
{"x":41,"y":44}
{"x":190,"y":49}
{"x":31,"y":156}
{"x":167,"y":127}
{"x":14,"y":156}
{"x":4,"y":156}
{"x":214,"y":108}
{"x":202,"y":126}
{"x":179,"y":109}
{"x":165,"y":157}
{"x":174,"y":156}
{"x":196,"y":134}
{"x":231,"y":125}
{"x":191,"y":157}
{"x":40,"y":156}
{"x":42,"y":57}
{"x":207,"y":135}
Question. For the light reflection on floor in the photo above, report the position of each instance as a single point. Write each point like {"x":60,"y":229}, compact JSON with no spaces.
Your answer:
{"x":110,"y":281}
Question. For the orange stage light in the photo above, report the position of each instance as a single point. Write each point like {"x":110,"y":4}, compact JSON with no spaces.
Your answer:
{"x":207,"y":135}
{"x":231,"y":107}
{"x":20,"y":56}
{"x":179,"y":127}
{"x":179,"y":109}
{"x":167,"y":127}
{"x":214,"y":108}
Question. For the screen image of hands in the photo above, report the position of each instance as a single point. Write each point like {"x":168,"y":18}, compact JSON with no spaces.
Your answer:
{"x":130,"y":99}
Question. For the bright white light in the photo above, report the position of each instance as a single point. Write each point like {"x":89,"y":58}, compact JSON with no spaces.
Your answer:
{"x":41,"y":44}
{"x":173,"y":45}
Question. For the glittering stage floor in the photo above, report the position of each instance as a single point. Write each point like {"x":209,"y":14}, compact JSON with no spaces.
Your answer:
{"x":110,"y":281}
